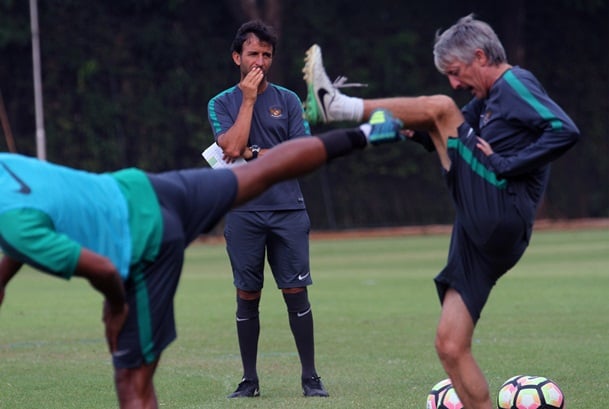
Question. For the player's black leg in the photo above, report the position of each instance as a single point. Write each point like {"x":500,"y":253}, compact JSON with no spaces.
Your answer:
{"x":248,"y":332}
{"x":301,"y":324}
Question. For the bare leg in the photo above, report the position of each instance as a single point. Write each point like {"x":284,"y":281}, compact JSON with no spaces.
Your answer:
{"x":453,"y":344}
{"x":300,"y":156}
{"x":287,"y":160}
{"x":438,"y":115}
{"x":134,"y":387}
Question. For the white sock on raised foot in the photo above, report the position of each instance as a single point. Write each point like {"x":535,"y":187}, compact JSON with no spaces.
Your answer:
{"x":346,"y":108}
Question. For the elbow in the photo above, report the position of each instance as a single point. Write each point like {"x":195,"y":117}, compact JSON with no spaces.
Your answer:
{"x":569,"y":136}
{"x":575,"y":136}
{"x":572,"y":138}
{"x":231,"y":150}
{"x":568,"y":140}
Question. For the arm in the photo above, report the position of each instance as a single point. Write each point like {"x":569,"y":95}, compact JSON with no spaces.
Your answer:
{"x":8,"y":268}
{"x":234,"y":141}
{"x":539,"y":153}
{"x":534,"y":113}
{"x":104,"y":277}
{"x":31,"y":236}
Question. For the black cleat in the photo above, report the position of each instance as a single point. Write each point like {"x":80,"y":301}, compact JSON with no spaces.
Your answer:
{"x":246,"y":389}
{"x":313,"y":387}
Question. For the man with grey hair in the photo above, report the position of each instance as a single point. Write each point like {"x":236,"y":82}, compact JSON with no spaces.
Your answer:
{"x":495,"y":156}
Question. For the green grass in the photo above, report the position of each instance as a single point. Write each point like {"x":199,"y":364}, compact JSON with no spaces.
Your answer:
{"x":375,"y":312}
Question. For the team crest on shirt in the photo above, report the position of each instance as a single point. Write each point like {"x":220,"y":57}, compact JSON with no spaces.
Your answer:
{"x":484,"y":119}
{"x":275,"y":112}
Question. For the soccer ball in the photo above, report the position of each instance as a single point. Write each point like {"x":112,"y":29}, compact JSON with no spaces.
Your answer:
{"x":505,"y":398}
{"x":443,"y":396}
{"x":537,"y":392}
{"x":436,"y":394}
{"x":530,"y":392}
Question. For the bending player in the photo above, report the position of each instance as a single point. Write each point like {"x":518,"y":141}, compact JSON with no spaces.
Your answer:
{"x":126,"y":233}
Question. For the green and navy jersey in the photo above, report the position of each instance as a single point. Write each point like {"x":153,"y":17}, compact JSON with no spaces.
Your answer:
{"x":49,"y":212}
{"x":277,"y":117}
{"x":525,"y":128}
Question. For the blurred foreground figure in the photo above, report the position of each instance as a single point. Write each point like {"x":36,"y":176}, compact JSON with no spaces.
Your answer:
{"x":126,"y":233}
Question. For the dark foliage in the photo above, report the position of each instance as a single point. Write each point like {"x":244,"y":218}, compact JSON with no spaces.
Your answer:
{"x":126,"y":83}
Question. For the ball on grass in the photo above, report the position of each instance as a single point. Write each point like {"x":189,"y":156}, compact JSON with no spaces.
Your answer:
{"x":443,"y":396}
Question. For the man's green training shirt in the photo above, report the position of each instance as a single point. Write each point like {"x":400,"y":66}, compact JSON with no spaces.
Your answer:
{"x":49,"y":212}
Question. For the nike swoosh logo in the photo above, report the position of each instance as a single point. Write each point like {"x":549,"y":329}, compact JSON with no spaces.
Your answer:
{"x":321,"y":93}
{"x":302,"y":314}
{"x":242,"y":319}
{"x":303,"y":276}
{"x":24,"y":188}
{"x":120,"y":353}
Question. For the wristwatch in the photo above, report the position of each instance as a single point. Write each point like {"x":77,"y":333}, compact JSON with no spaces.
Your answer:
{"x":255,"y":151}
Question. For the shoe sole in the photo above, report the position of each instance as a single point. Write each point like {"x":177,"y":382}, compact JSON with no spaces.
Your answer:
{"x":255,"y":395}
{"x":312,"y":104}
{"x":318,"y":395}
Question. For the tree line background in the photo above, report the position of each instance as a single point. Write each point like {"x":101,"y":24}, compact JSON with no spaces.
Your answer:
{"x":126,"y":83}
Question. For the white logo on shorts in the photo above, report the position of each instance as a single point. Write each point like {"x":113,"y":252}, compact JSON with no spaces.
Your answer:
{"x":303,"y":276}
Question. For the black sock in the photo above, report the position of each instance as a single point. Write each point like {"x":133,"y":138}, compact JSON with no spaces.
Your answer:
{"x":248,"y":332}
{"x":340,"y":142}
{"x":301,"y":324}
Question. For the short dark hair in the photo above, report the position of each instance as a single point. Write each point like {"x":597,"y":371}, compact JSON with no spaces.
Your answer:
{"x":263,"y":31}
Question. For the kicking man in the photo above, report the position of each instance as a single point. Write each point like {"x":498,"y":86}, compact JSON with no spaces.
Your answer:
{"x":495,"y":156}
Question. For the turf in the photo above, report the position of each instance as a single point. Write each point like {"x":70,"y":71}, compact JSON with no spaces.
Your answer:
{"x":375,"y":311}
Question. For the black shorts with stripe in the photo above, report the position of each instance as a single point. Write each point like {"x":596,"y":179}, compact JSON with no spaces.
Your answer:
{"x":192,"y":202}
{"x":491,"y":229}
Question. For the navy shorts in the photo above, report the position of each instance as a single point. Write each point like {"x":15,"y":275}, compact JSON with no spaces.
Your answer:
{"x":192,"y":202}
{"x":282,"y":235}
{"x":491,"y":230}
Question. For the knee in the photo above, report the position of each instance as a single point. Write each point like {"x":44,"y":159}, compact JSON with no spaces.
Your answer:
{"x":442,"y":109}
{"x":133,"y":386}
{"x":123,"y":378}
{"x":297,"y":302}
{"x":248,"y":309}
{"x":248,"y":295}
{"x":449,"y":349}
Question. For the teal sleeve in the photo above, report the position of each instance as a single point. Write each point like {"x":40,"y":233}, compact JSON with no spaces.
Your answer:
{"x":28,"y":235}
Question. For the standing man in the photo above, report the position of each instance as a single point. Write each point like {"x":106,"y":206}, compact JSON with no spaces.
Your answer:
{"x":495,"y":156}
{"x":248,"y":119}
{"x":126,"y":233}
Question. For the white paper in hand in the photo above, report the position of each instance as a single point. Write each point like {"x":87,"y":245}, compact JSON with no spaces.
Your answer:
{"x":214,"y":156}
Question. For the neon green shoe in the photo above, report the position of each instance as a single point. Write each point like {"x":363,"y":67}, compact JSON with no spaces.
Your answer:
{"x":384,"y":128}
{"x":323,"y":102}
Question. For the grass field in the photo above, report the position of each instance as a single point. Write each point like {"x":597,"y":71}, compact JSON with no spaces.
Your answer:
{"x":375,"y":312}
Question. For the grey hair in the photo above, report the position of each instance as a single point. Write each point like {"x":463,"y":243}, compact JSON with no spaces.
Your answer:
{"x":460,"y":42}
